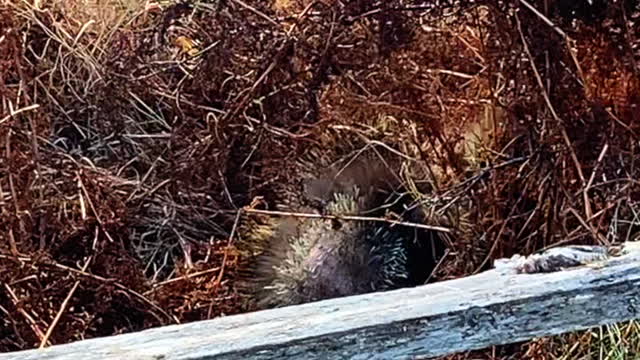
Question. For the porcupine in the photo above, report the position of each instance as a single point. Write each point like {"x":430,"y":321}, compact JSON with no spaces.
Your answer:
{"x":310,"y":259}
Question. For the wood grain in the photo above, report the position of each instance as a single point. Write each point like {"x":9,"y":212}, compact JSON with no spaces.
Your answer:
{"x":442,"y":318}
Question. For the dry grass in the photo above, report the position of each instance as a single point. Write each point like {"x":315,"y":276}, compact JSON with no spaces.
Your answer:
{"x":132,"y":134}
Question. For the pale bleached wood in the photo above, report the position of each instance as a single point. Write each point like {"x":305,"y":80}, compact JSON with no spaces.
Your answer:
{"x":451,"y":316}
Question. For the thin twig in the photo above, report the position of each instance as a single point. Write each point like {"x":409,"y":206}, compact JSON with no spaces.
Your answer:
{"x":496,"y":241}
{"x":227,"y":248}
{"x":98,"y":278}
{"x":350,"y":218}
{"x":547,"y":100}
{"x":567,"y":39}
{"x":13,"y":247}
{"x":63,"y":307}
{"x":13,"y":113}
{"x":256,"y":11}
{"x":29,"y":318}
{"x":585,"y":195}
{"x":160,"y":284}
{"x":93,"y":208}
{"x":544,"y":18}
{"x":590,"y":228}
{"x":435,"y":268}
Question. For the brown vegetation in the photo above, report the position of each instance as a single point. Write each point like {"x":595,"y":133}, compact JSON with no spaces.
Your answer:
{"x":137,"y":140}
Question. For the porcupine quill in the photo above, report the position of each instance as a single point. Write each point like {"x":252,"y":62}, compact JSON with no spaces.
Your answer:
{"x":310,"y":259}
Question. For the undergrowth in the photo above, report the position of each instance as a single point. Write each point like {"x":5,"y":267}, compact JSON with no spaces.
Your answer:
{"x":136,"y":137}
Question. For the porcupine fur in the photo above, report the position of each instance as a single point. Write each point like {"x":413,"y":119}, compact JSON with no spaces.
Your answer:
{"x":310,"y":259}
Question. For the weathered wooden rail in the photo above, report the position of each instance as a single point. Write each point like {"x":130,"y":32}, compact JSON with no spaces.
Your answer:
{"x":451,"y":316}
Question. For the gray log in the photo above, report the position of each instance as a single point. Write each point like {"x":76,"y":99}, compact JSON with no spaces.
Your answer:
{"x":442,"y":318}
